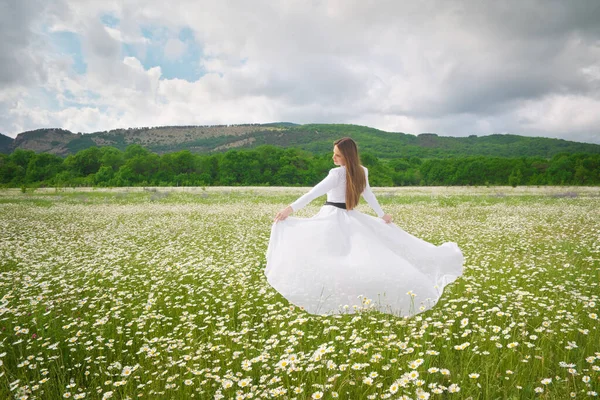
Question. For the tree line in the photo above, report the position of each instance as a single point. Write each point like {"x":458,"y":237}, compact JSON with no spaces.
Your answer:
{"x":274,"y":166}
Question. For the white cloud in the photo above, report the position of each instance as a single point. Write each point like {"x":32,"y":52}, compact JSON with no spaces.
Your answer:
{"x":174,"y":49}
{"x":454,"y":68}
{"x":560,"y":114}
{"x":119,"y":36}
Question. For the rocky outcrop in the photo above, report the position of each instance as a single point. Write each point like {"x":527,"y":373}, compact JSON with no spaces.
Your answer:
{"x":45,"y":140}
{"x":160,"y":139}
{"x":237,"y":143}
{"x":6,"y":143}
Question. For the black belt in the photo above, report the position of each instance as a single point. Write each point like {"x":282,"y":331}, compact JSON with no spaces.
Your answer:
{"x":338,"y":205}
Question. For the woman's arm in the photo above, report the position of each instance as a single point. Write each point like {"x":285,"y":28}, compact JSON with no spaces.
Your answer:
{"x":372,"y":200}
{"x":320,"y":189}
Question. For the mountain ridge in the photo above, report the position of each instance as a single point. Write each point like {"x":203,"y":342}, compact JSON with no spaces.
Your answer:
{"x":315,"y":138}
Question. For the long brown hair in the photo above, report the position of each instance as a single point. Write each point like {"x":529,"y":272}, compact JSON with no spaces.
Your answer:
{"x":355,"y":175}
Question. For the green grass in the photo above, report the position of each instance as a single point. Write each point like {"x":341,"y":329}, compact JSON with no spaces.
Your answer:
{"x":170,"y":283}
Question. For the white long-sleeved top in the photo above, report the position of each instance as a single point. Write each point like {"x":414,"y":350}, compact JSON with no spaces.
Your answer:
{"x":335,"y":187}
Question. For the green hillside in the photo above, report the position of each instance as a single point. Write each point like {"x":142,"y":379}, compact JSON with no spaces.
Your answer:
{"x":314,"y":138}
{"x":318,"y":138}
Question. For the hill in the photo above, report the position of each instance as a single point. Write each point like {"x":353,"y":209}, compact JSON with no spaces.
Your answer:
{"x":5,"y":144}
{"x":315,"y":138}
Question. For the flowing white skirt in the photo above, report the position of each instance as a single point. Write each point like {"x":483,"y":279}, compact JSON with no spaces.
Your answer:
{"x":343,"y":261}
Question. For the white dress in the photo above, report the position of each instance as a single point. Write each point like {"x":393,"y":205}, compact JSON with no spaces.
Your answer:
{"x":341,"y":261}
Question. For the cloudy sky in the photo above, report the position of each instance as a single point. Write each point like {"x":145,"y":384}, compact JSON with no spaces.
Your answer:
{"x":456,"y":68}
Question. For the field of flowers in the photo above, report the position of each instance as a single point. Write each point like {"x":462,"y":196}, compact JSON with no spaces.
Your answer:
{"x":160,"y":293}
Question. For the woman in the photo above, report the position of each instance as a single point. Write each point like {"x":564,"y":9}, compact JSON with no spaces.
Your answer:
{"x":342,"y":260}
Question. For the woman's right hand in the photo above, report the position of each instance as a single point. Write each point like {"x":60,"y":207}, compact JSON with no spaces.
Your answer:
{"x":387,"y":218}
{"x":283,"y":214}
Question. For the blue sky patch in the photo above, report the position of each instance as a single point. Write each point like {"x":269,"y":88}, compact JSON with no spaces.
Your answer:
{"x":186,"y":67}
{"x":110,"y":20}
{"x":68,"y":43}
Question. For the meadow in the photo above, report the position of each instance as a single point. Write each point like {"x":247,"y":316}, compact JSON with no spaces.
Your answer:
{"x":159,"y":293}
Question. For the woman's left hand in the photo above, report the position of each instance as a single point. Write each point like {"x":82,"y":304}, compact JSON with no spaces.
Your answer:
{"x":283,"y":214}
{"x":387,"y":218}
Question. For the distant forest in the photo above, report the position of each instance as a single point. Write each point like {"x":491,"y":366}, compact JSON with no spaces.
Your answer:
{"x":275,"y":166}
